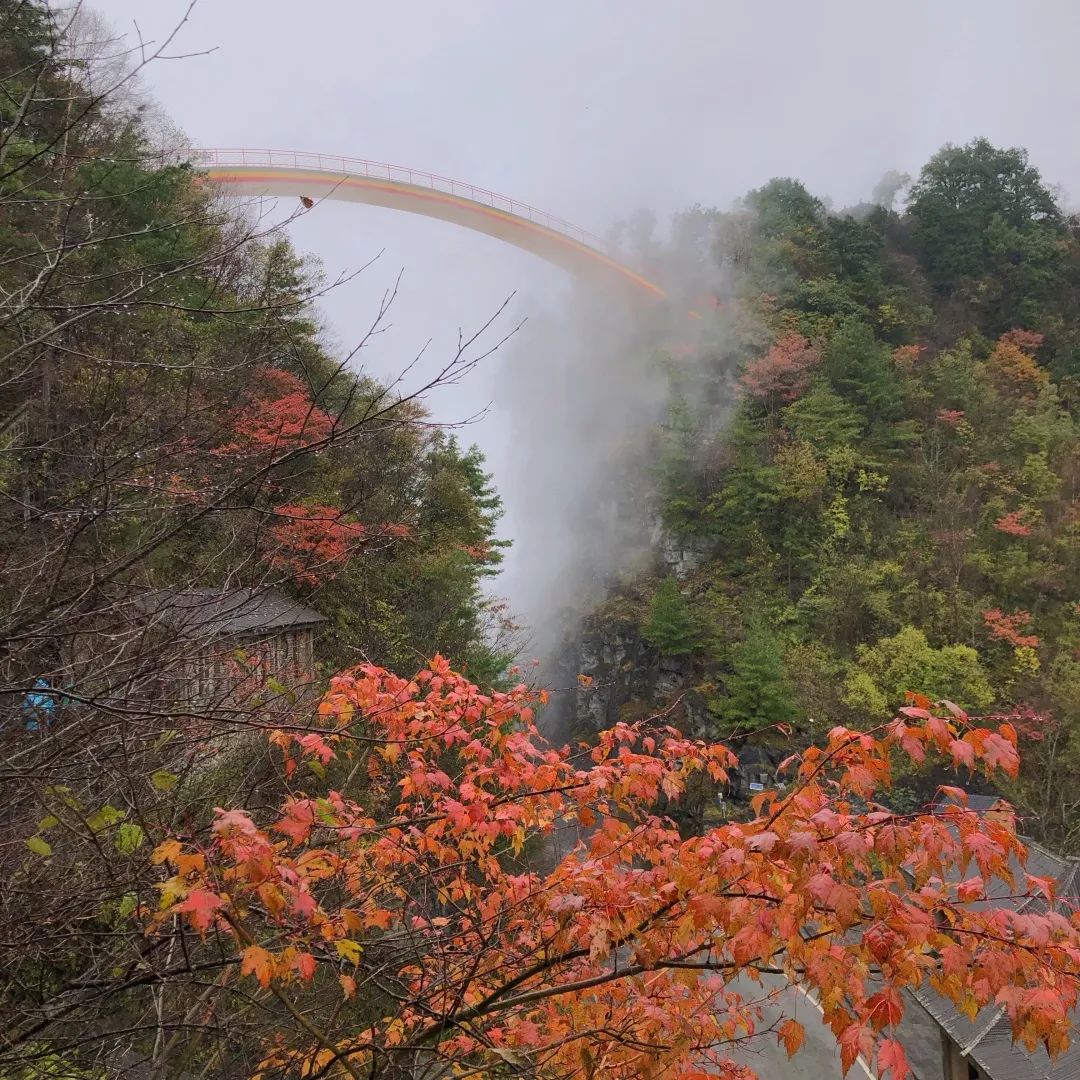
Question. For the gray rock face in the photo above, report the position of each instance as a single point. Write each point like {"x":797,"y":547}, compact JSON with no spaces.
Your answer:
{"x":681,"y":555}
{"x":701,"y":720}
{"x":624,"y":668}
{"x":672,"y":675}
{"x":621,"y":666}
{"x":611,"y":652}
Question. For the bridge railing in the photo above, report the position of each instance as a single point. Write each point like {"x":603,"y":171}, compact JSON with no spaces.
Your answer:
{"x":337,"y":165}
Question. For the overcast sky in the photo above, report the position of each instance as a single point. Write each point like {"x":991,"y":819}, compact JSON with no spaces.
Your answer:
{"x":592,"y":109}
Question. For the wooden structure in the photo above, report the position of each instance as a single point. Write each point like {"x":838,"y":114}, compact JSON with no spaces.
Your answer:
{"x":198,"y":650}
{"x":228,"y":646}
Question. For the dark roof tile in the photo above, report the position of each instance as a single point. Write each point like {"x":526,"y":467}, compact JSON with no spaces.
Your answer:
{"x":988,"y":1039}
{"x":217,"y":612}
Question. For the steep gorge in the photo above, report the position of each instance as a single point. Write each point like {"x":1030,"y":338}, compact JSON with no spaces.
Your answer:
{"x":860,"y":479}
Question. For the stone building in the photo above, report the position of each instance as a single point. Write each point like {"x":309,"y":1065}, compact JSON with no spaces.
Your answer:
{"x":231,"y":643}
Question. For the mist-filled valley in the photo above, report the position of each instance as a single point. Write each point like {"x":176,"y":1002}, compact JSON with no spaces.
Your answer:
{"x":440,"y":639}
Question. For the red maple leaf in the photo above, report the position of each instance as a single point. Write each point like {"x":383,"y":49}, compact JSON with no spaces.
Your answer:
{"x":891,"y":1058}
{"x":312,"y":542}
{"x":200,"y":905}
{"x":1012,"y":523}
{"x":278,"y":416}
{"x":1009,"y":628}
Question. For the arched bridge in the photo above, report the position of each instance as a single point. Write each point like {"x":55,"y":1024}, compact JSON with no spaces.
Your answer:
{"x":326,"y":176}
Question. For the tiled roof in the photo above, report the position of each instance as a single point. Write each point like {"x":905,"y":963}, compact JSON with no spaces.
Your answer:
{"x":216,"y":612}
{"x":987,"y":1040}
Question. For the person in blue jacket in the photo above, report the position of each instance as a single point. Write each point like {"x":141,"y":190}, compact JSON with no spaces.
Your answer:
{"x":39,"y":707}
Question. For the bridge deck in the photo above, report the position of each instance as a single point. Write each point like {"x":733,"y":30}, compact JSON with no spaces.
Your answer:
{"x":323,"y":176}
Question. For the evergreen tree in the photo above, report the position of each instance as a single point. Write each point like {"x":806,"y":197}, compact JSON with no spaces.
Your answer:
{"x":671,"y":625}
{"x":860,"y":369}
{"x":675,"y":465}
{"x":784,"y":206}
{"x":823,"y":419}
{"x":759,"y":692}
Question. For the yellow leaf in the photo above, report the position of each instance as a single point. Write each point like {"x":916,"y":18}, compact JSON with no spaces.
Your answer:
{"x":164,"y":781}
{"x":39,"y":846}
{"x":129,"y":838}
{"x":272,"y":897}
{"x":349,"y":950}
{"x":176,"y":888}
{"x":508,"y":1055}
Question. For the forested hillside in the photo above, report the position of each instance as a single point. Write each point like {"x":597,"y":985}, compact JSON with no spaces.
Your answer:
{"x":171,"y":417}
{"x":870,"y":470}
{"x":172,"y":424}
{"x":270,"y":802}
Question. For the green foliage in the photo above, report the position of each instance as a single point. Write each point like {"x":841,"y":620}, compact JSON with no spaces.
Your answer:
{"x":675,"y":464}
{"x":424,"y":595}
{"x":922,"y":476}
{"x":170,"y":410}
{"x":129,"y":838}
{"x":784,"y":207}
{"x":759,"y":693}
{"x":671,"y":625}
{"x":45,"y":1064}
{"x":823,"y":419}
{"x":860,"y":369}
{"x":974,"y":204}
{"x":212,"y":317}
{"x":987,"y":228}
{"x":39,"y":846}
{"x":885,"y":671}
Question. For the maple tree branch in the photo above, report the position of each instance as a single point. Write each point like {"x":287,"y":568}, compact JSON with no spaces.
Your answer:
{"x":610,"y":976}
{"x":320,"y":1037}
{"x":482,"y":1007}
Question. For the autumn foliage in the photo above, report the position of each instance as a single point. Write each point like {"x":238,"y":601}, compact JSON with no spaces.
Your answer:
{"x":784,"y":371}
{"x":906,"y":357}
{"x":312,"y":543}
{"x":1012,"y":524}
{"x":1013,"y":363}
{"x":1010,"y":628}
{"x":474,"y":944}
{"x":950,"y":417}
{"x":278,"y":416}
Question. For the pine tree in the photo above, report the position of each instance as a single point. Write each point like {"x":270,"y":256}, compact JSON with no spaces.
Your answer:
{"x":860,"y":369}
{"x":760,"y":693}
{"x":671,"y":626}
{"x":823,"y":419}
